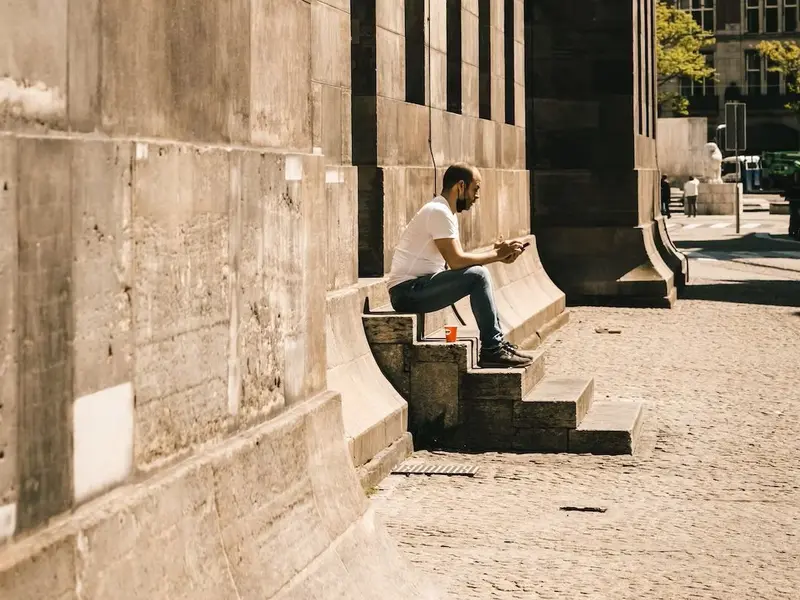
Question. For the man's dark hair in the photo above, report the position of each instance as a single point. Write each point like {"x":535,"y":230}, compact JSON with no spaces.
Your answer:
{"x":455,"y":173}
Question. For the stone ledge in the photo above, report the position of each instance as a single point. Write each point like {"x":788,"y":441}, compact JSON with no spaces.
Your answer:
{"x":381,"y":465}
{"x":206,"y":511}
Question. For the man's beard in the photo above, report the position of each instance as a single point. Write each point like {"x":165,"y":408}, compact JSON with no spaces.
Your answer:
{"x":461,"y":204}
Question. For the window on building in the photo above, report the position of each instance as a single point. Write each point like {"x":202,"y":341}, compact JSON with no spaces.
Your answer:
{"x":415,"y":51}
{"x":753,"y":16}
{"x":707,"y":87}
{"x":454,"y":56}
{"x":484,"y":60}
{"x":752,"y":65}
{"x":508,"y":54}
{"x":790,"y":15}
{"x":702,"y":11}
{"x":771,"y":16}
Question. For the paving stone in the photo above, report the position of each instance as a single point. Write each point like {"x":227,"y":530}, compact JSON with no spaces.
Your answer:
{"x":707,"y":508}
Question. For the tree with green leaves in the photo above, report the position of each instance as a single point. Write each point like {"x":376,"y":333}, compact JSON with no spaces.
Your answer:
{"x":784,"y":57}
{"x":679,"y":41}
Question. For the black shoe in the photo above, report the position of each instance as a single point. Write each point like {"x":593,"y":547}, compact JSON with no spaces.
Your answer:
{"x":516,"y":350}
{"x":501,"y":358}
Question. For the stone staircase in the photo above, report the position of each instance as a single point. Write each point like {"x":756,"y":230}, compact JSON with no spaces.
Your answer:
{"x":455,"y":405}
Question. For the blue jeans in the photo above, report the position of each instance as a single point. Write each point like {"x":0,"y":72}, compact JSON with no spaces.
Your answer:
{"x":430,"y":293}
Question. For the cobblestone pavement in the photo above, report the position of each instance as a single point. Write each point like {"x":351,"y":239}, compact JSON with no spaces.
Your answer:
{"x":708,"y":507}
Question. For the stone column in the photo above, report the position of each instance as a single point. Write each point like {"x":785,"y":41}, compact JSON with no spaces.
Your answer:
{"x":592,"y":152}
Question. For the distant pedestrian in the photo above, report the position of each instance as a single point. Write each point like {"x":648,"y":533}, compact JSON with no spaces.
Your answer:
{"x":666,"y":193}
{"x":690,"y":190}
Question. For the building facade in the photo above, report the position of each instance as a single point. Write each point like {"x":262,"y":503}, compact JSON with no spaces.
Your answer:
{"x":742,"y":73}
{"x":198,"y":197}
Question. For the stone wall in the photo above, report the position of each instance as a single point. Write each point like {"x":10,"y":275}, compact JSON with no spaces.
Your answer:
{"x":177,"y":202}
{"x":680,"y":148}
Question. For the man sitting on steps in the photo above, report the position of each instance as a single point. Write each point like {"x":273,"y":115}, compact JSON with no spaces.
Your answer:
{"x":419,"y":283}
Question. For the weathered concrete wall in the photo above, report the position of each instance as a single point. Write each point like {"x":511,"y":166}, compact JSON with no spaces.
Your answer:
{"x":177,"y":202}
{"x":220,"y":73}
{"x":185,"y":274}
{"x":680,"y":147}
{"x":9,"y":265}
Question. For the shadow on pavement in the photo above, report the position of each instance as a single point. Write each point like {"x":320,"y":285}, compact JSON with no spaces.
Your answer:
{"x":754,"y":291}
{"x":749,"y":242}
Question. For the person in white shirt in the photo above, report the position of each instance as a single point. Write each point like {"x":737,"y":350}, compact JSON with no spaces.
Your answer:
{"x":419,"y":283}
{"x":690,"y":190}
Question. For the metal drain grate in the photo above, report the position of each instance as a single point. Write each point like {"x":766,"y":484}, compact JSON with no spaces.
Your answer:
{"x":434,"y":469}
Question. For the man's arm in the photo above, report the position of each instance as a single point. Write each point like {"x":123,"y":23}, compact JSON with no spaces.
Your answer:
{"x":456,"y":258}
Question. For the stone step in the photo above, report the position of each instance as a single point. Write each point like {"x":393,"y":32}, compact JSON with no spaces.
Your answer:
{"x":445,"y":397}
{"x":390,"y":328}
{"x":543,"y":419}
{"x":608,"y":428}
{"x":506,"y":384}
{"x":557,"y":402}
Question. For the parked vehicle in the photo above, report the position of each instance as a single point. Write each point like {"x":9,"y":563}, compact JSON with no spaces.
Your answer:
{"x":779,"y":168}
{"x":750,"y":169}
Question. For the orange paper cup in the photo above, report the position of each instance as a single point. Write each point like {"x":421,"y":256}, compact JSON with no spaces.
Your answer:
{"x":450,"y":333}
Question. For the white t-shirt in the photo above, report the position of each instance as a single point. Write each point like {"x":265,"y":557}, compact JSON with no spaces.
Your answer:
{"x":691,"y":187}
{"x":416,"y":253}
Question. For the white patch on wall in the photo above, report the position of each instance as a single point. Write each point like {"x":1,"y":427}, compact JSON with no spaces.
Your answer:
{"x":8,"y":521}
{"x":35,"y":101}
{"x":334,"y":175}
{"x":142,"y":151}
{"x":294,"y":168}
{"x":103,"y":440}
{"x":316,"y":151}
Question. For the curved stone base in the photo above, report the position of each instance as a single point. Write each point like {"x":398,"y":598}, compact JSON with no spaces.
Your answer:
{"x":618,"y":266}
{"x":375,"y":414}
{"x":275,"y":512}
{"x":674,"y":258}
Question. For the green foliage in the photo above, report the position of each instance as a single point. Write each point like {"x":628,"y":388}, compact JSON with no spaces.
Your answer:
{"x":679,"y":41}
{"x":784,"y":57}
{"x":679,"y":105}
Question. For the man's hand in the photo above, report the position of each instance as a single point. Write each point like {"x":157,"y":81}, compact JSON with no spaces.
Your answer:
{"x":508,"y":252}
{"x":512,"y":250}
